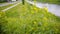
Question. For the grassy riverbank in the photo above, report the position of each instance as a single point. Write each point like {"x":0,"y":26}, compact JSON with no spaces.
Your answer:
{"x":28,"y":19}
{"x":50,"y":1}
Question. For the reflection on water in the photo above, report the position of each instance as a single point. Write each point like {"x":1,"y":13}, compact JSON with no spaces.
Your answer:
{"x":55,"y":9}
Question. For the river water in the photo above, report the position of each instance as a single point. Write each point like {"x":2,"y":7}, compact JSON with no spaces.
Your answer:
{"x":53,"y":8}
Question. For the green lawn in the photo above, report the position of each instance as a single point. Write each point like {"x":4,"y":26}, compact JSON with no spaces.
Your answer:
{"x":28,"y":19}
{"x":4,"y":7}
{"x":2,"y":2}
{"x":50,"y":1}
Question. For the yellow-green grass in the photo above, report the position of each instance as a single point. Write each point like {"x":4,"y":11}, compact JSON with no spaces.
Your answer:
{"x":28,"y":19}
{"x":4,"y":7}
{"x":50,"y":1}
